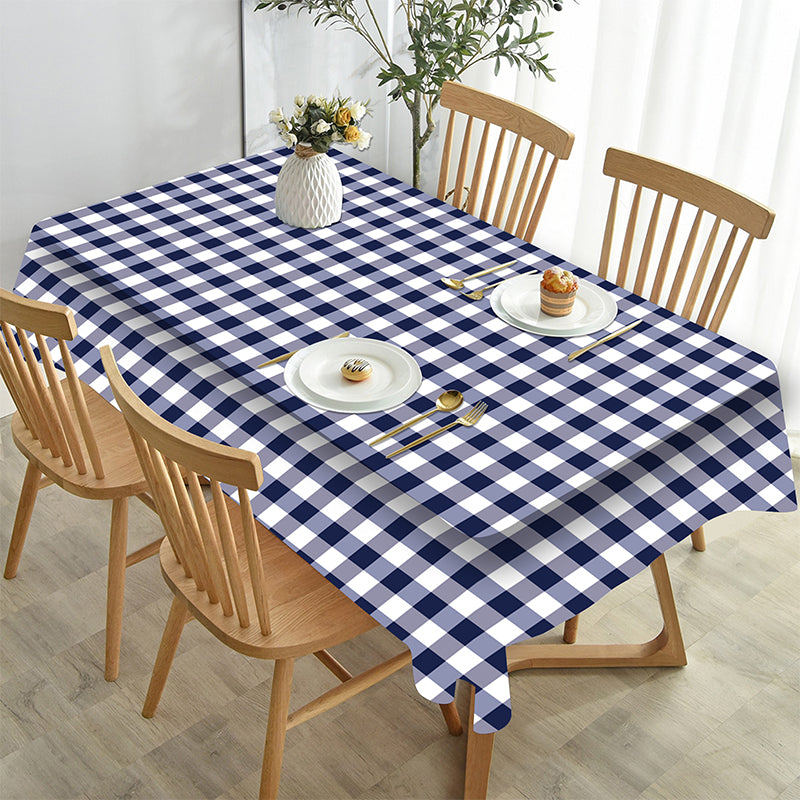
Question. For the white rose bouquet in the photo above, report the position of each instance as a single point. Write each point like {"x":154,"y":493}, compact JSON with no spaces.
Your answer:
{"x":319,"y":122}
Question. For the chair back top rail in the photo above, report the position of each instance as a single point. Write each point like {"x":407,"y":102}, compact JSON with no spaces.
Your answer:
{"x":60,"y":423}
{"x":216,"y":461}
{"x":716,"y":198}
{"x":543,"y":142}
{"x":509,"y":115}
{"x":47,"y":319}
{"x":711,"y":291}
{"x":201,"y":533}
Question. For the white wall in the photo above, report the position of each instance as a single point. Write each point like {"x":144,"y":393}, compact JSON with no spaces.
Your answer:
{"x":101,"y":97}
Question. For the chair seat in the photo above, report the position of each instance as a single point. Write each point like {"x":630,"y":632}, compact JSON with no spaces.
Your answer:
{"x":307,"y":612}
{"x":123,"y":475}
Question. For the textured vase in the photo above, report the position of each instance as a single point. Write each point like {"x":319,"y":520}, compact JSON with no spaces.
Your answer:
{"x":309,"y":190}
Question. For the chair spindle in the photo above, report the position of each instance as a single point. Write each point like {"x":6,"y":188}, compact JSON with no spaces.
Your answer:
{"x":231,"y":555}
{"x":461,"y":174}
{"x":505,"y":189}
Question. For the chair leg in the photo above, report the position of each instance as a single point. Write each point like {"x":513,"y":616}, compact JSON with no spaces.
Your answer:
{"x":117,"y":553}
{"x":699,"y":539}
{"x":452,"y":718}
{"x":276,"y":728}
{"x":571,"y":629}
{"x":178,"y":617}
{"x":27,"y":499}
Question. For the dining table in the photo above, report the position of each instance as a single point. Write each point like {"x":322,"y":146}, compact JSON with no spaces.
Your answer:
{"x":580,"y":474}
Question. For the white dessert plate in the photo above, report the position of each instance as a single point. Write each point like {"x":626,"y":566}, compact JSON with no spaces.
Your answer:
{"x":516,"y":301}
{"x":314,"y":375}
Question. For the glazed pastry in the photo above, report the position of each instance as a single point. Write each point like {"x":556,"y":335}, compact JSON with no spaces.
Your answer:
{"x":356,"y":369}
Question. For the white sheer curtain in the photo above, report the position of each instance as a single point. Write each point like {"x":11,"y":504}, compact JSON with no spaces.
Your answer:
{"x":711,"y":86}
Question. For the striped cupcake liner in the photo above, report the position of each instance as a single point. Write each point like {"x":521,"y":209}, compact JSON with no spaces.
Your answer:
{"x":556,"y":304}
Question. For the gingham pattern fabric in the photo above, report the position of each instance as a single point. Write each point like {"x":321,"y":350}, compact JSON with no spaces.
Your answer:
{"x":578,"y":477}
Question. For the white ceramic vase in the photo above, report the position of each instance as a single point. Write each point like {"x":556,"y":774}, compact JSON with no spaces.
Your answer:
{"x":309,"y":190}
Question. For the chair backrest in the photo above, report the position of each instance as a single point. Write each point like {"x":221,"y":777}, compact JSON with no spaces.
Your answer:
{"x":522,"y":194}
{"x":36,"y":388}
{"x":716,"y":208}
{"x":173,"y":461}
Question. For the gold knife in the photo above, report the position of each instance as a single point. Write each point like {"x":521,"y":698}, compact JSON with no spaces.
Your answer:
{"x":602,"y":341}
{"x":287,"y":356}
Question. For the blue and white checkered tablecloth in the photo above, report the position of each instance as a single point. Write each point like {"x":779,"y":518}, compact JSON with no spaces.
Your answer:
{"x":579,"y":475}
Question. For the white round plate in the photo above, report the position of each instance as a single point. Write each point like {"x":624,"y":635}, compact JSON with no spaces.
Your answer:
{"x":314,"y":375}
{"x":516,"y":301}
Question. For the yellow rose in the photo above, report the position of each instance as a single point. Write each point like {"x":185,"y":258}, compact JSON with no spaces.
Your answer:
{"x":343,"y":117}
{"x":351,"y":134}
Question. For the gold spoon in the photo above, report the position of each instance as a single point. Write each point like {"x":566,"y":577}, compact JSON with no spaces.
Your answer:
{"x":447,"y":401}
{"x":478,"y":293}
{"x":456,"y":283}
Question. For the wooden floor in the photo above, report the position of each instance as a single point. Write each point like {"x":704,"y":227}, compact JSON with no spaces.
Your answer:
{"x":726,"y":726}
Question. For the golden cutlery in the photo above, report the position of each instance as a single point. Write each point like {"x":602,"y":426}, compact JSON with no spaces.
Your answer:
{"x":602,"y":341}
{"x":447,"y":401}
{"x":468,"y":419}
{"x":456,"y":283}
{"x":478,"y":293}
{"x":287,"y":356}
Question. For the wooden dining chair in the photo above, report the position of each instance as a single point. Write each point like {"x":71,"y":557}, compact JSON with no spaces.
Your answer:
{"x":71,"y":437}
{"x":248,"y":588}
{"x":709,"y":225}
{"x":513,"y":193}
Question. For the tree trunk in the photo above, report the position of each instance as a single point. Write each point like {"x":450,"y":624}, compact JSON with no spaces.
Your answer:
{"x":416,"y":146}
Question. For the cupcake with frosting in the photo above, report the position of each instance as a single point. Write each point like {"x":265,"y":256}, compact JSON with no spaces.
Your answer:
{"x":558,"y":289}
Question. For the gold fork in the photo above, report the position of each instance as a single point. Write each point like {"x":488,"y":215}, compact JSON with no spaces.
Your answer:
{"x":469,"y":420}
{"x":478,"y":293}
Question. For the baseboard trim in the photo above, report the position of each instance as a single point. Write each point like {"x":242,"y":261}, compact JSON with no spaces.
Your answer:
{"x":794,"y":443}
{"x":6,"y":403}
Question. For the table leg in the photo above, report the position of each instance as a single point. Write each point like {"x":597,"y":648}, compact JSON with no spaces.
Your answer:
{"x":479,"y":757}
{"x":665,"y":650}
